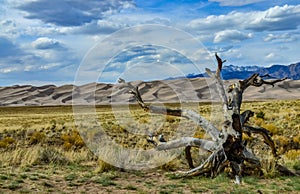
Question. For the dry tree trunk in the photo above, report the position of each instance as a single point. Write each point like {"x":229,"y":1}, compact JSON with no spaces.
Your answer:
{"x":227,"y":146}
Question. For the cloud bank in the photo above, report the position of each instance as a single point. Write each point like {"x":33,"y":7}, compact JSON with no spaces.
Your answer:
{"x":42,"y":40}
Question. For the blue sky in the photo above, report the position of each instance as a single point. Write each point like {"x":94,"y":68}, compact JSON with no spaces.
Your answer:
{"x":47,"y":42}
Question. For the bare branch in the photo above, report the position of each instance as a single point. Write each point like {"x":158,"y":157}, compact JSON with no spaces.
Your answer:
{"x":220,"y":85}
{"x":138,"y":97}
{"x":188,"y":141}
{"x":273,"y":82}
{"x":264,"y":133}
{"x":236,"y":90}
{"x":188,"y":156}
{"x":213,"y":164}
{"x":257,"y":81}
{"x":245,"y":116}
{"x":189,"y":114}
{"x":220,"y":64}
{"x":227,"y":146}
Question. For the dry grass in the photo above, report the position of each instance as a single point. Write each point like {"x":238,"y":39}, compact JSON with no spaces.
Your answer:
{"x":47,"y":138}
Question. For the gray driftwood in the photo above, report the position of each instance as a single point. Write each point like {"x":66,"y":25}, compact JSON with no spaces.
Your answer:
{"x":227,"y":147}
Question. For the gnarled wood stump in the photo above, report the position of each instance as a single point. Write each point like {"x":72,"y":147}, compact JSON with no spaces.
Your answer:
{"x":226,"y":145}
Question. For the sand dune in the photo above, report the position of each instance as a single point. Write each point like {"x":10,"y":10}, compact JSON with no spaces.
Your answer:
{"x":181,"y":90}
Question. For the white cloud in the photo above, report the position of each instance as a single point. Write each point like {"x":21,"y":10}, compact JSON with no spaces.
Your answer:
{"x":8,"y":70}
{"x":8,"y":27}
{"x":36,"y":45}
{"x":220,"y":49}
{"x":49,"y":66}
{"x":45,"y":43}
{"x":286,"y":37}
{"x":235,"y":2}
{"x":98,"y":27}
{"x":273,"y":57}
{"x":270,"y":55}
{"x":41,"y":56}
{"x":49,"y":30}
{"x":231,"y":36}
{"x":277,"y":18}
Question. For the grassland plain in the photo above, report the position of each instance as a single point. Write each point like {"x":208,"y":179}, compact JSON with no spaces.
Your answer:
{"x":41,"y":151}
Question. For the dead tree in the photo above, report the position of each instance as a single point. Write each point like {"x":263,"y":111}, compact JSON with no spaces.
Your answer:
{"x":226,"y":145}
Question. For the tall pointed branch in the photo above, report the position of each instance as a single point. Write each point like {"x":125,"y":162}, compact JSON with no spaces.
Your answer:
{"x":137,"y":95}
{"x":226,"y":147}
{"x":220,"y":86}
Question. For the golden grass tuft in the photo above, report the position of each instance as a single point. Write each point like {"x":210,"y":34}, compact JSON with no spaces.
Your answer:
{"x":36,"y":137}
{"x":173,"y":165}
{"x":268,"y":166}
{"x":247,"y":137}
{"x":296,"y":139}
{"x":103,"y":167}
{"x":270,"y":127}
{"x":293,"y":154}
{"x":199,"y":134}
{"x":7,"y":141}
{"x":282,"y":141}
{"x":20,"y":156}
{"x":72,"y":140}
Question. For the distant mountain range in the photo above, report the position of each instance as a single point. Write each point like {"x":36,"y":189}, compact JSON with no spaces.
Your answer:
{"x":184,"y":89}
{"x":242,"y":72}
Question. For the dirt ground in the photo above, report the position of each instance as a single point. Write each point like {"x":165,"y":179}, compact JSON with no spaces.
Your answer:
{"x":84,"y":179}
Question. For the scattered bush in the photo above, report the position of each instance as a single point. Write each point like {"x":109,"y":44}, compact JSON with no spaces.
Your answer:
{"x":72,"y":140}
{"x":171,"y":166}
{"x":51,"y":155}
{"x":260,"y":115}
{"x":36,"y":137}
{"x":268,"y":167}
{"x":281,"y":141}
{"x":4,"y":143}
{"x":104,"y":167}
{"x":296,"y":166}
{"x":296,"y":139}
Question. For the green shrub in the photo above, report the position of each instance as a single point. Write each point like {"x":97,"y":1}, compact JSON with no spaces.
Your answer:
{"x":260,"y":115}
{"x":51,"y":155}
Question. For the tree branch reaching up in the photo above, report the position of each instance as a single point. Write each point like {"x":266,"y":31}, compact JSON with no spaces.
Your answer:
{"x":227,"y":146}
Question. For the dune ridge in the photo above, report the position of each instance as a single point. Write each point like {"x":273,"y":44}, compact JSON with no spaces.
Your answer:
{"x":179,"y":90}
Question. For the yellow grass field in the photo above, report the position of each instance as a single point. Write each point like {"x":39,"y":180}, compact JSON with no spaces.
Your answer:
{"x":42,"y":150}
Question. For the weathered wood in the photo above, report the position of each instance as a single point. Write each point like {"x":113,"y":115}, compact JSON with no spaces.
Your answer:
{"x":188,"y":141}
{"x":246,"y":115}
{"x":188,"y":156}
{"x":264,"y":133}
{"x":189,"y":114}
{"x":220,"y":86}
{"x":227,"y":146}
